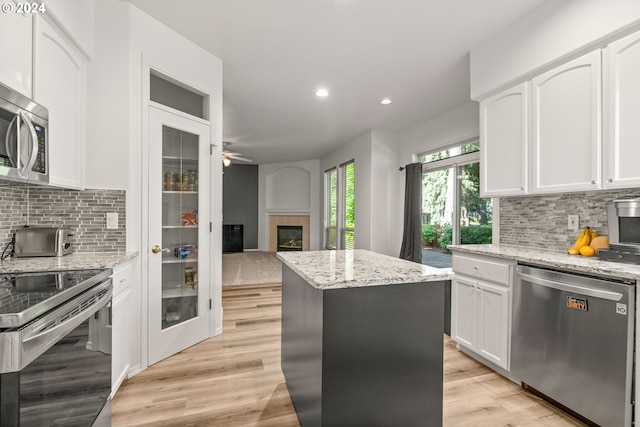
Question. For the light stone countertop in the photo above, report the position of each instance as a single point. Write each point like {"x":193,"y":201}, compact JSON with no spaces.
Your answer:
{"x":74,"y":261}
{"x":554,"y":259}
{"x":329,"y":269}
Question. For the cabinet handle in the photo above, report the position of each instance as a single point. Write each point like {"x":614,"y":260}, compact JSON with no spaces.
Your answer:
{"x":610,"y":179}
{"x":522,"y":188}
{"x":593,"y":183}
{"x":476,"y":269}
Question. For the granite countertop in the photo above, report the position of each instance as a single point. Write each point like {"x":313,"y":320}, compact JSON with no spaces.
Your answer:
{"x":554,"y":259}
{"x":75,"y":261}
{"x":329,"y":269}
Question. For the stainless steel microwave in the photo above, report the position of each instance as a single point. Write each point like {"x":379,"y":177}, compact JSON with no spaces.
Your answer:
{"x":623,"y":216}
{"x":24,"y":155}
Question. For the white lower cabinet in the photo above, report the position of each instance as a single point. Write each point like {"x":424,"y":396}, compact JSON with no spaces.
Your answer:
{"x":481,"y":307}
{"x":121,"y":325}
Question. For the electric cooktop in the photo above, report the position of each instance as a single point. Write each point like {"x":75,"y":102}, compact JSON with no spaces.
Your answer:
{"x":25,"y":296}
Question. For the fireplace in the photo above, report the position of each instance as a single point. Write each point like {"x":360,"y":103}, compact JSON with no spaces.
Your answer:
{"x":290,"y":221}
{"x":289,"y":238}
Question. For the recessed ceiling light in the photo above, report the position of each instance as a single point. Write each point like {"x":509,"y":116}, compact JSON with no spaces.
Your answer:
{"x":385,"y":101}
{"x":322,"y":92}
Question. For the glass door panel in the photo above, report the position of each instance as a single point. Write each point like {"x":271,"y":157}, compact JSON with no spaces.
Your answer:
{"x":179,"y":226}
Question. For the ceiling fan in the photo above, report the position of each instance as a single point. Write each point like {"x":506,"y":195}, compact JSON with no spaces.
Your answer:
{"x":227,"y":156}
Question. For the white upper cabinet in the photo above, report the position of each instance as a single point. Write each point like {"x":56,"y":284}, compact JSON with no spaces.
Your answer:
{"x":78,"y":20}
{"x":566,"y":127}
{"x":504,"y":134}
{"x":622,"y":121}
{"x":59,"y":85}
{"x":16,"y":51}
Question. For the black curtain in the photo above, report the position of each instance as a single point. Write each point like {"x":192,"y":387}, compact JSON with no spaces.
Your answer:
{"x":412,"y":237}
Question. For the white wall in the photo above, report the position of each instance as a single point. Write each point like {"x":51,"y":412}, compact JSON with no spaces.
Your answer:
{"x":555,"y":31}
{"x":358,"y":150}
{"x":386,"y":201}
{"x":155,"y":46}
{"x":456,"y":125}
{"x":127,"y":42}
{"x":379,"y":189}
{"x":301,"y":196}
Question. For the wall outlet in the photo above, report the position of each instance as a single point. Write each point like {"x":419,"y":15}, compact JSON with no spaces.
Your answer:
{"x":573,"y":222}
{"x":112,"y":220}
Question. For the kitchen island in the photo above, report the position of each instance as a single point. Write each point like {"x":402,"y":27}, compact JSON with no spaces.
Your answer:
{"x":362,"y":337}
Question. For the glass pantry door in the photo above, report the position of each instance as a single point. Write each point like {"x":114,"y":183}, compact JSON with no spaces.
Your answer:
{"x":178,"y":240}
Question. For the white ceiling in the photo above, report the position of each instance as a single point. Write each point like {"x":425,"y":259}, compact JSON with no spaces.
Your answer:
{"x":276,"y":53}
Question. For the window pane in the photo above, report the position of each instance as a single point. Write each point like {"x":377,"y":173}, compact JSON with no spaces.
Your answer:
{"x":331,"y":208}
{"x":349,"y":242}
{"x":349,"y":195}
{"x":475,"y":212}
{"x":332,"y":198}
{"x":450,"y":152}
{"x":330,"y":238}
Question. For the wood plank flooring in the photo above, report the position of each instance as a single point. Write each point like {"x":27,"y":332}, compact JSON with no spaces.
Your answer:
{"x":234,"y":380}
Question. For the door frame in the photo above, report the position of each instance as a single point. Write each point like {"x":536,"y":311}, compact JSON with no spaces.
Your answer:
{"x":215,"y":286}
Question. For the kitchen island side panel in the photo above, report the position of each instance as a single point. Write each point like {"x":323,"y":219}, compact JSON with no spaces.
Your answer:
{"x":301,"y":356}
{"x":383,"y":355}
{"x":364,"y":355}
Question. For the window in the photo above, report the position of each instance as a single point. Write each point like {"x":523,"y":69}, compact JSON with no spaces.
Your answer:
{"x":340,"y":207}
{"x":452,"y":210}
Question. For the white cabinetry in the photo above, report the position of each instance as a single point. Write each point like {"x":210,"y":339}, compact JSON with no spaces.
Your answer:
{"x":566,"y":130}
{"x":16,"y":51}
{"x":481,"y":306}
{"x":504,"y":134}
{"x":622,"y":121}
{"x":121,"y":324}
{"x":60,"y":86}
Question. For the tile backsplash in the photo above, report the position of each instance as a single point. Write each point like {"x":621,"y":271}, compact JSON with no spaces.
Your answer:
{"x":84,"y":212}
{"x":541,"y":221}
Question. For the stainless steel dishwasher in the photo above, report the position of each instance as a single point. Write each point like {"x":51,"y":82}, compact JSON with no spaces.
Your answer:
{"x":572,"y":341}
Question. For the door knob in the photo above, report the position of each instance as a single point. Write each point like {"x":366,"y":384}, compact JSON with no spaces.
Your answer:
{"x":157,"y":249}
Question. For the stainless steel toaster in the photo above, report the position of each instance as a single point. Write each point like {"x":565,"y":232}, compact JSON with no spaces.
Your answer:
{"x":43,"y":241}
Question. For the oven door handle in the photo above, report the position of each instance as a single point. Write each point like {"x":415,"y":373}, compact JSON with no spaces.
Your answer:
{"x":44,"y":333}
{"x":582,"y":290}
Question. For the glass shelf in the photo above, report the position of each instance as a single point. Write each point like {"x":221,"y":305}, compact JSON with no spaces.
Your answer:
{"x":179,"y":292}
{"x":180,"y":164}
{"x":178,"y":192}
{"x":174,"y":260}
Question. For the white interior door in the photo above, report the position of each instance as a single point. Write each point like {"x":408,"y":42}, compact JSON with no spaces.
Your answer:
{"x":178,"y":233}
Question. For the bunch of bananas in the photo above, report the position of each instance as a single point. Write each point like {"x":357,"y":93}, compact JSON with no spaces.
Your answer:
{"x":582,"y":243}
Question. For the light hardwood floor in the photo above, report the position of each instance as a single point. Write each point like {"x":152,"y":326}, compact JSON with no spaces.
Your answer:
{"x":234,"y":380}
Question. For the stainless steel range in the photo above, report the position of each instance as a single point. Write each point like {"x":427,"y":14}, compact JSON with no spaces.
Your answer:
{"x":55,"y":348}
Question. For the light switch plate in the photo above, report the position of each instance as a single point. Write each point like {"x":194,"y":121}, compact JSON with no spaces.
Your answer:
{"x":112,"y":220}
{"x":573,"y":223}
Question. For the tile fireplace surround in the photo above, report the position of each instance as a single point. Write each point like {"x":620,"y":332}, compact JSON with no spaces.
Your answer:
{"x":276,"y":220}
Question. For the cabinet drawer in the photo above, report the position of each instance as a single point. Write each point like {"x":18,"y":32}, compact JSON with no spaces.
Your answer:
{"x":485,"y":268}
